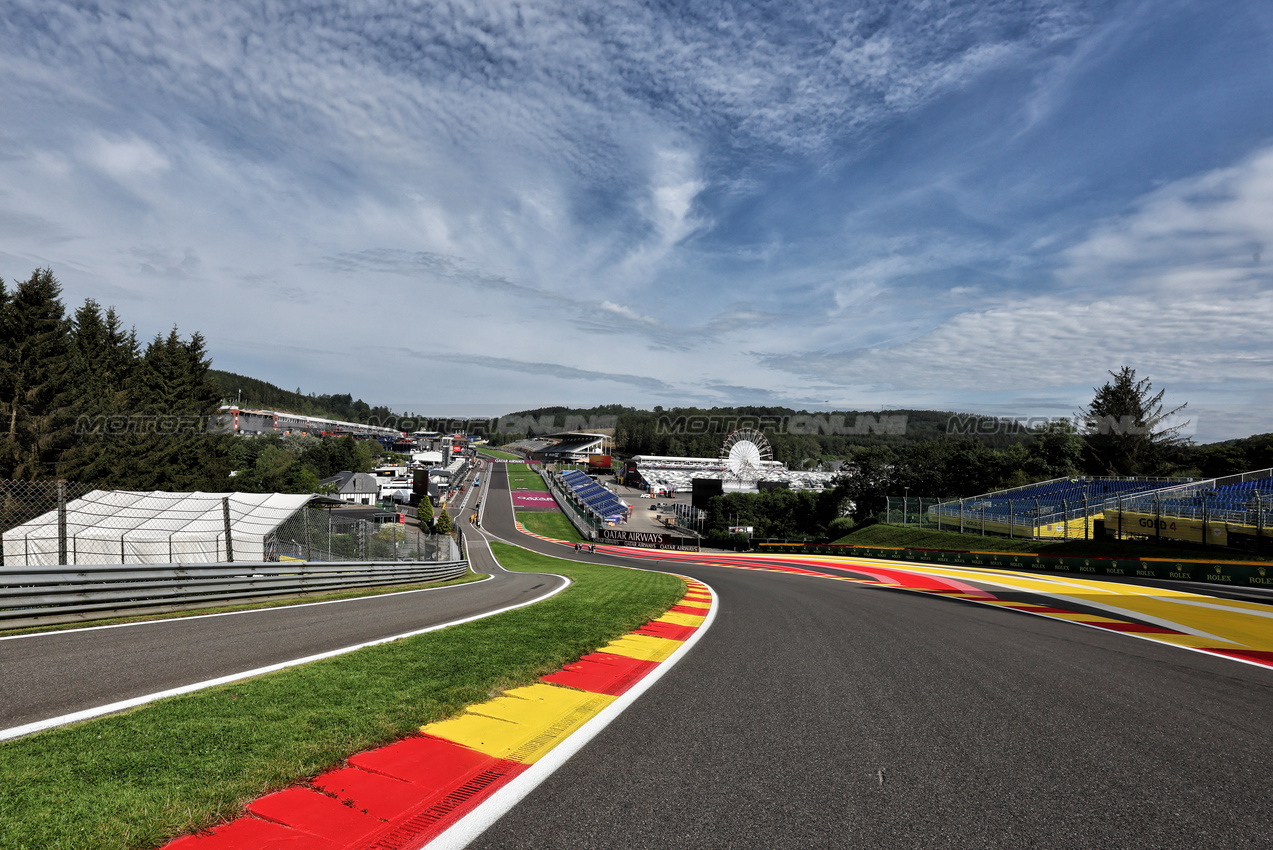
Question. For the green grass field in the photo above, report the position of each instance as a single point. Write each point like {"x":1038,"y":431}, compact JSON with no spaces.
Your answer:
{"x":926,"y":538}
{"x":522,"y":477}
{"x":497,"y":453}
{"x":550,"y":524}
{"x":137,"y":779}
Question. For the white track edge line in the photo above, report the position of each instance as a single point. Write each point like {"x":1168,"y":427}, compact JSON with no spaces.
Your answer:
{"x":469,"y":827}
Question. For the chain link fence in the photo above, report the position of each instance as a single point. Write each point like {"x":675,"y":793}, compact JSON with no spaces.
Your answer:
{"x":318,"y":535}
{"x":911,"y":511}
{"x":24,"y":501}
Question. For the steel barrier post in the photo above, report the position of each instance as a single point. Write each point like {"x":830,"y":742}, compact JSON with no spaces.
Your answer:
{"x":225,"y":521}
{"x":61,"y":522}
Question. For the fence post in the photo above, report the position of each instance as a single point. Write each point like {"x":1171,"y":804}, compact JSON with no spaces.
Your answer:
{"x":1065,"y":519}
{"x":1259,"y":522}
{"x":61,"y":522}
{"x":225,"y":521}
{"x":1087,"y":519}
{"x":362,"y":539}
{"x":961,"y":516}
{"x":1011,"y":516}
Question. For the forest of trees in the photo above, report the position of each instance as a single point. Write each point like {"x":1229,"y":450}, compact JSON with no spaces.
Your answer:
{"x":255,"y":393}
{"x":82,"y":398}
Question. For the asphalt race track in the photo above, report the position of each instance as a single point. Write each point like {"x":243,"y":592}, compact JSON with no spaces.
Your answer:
{"x":819,"y":713}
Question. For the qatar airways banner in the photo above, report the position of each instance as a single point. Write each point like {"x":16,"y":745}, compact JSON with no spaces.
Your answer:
{"x":533,"y":501}
{"x":648,"y":539}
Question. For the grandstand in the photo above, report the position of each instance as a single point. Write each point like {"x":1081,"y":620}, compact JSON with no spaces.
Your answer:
{"x":1060,"y":508}
{"x":594,"y":498}
{"x":244,"y":421}
{"x":1235,"y":511}
{"x":572,"y":447}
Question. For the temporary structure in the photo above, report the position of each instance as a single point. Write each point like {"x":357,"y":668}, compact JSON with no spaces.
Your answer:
{"x":128,"y":527}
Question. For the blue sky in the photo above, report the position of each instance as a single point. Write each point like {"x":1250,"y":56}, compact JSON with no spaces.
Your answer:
{"x":479,"y":207}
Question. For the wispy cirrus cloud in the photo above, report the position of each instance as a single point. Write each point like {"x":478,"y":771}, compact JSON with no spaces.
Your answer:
{"x":778,"y":200}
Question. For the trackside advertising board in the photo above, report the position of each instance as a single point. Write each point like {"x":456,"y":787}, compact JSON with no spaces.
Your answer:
{"x":648,"y":539}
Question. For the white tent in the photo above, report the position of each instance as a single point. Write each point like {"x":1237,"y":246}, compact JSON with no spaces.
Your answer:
{"x":126,"y":527}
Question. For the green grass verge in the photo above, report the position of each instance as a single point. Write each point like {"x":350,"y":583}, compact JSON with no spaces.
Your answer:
{"x":137,"y":779}
{"x":497,"y":453}
{"x":246,"y":606}
{"x":927,"y":538}
{"x":522,"y":477}
{"x":550,"y":524}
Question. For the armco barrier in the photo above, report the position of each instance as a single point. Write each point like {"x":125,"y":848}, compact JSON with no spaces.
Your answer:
{"x":1233,"y":573}
{"x":64,"y":594}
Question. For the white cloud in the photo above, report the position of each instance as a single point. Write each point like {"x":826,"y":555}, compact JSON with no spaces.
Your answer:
{"x":1173,"y":289}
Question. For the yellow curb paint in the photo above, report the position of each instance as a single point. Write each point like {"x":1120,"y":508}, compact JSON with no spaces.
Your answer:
{"x":524,"y":724}
{"x":643,"y":647}
{"x":681,"y":619}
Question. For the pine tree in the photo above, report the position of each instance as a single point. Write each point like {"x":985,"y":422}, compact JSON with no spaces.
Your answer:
{"x":443,"y":525}
{"x":1126,"y":428}
{"x":36,"y":388}
{"x":425,"y":512}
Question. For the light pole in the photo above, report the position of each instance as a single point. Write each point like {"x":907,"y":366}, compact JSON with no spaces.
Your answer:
{"x":906,"y":491}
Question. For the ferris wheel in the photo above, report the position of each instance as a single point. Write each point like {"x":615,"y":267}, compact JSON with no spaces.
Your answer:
{"x":745,"y":452}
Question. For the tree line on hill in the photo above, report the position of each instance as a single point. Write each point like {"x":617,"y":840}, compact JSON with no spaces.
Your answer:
{"x":262,"y":395}
{"x":82,"y":398}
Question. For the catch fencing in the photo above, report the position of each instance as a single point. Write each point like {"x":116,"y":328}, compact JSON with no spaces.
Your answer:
{"x":911,"y":511}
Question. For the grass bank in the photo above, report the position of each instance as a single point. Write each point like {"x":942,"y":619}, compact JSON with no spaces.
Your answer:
{"x":550,"y":524}
{"x":522,"y":477}
{"x":137,"y":779}
{"x":497,"y":453}
{"x":926,"y":538}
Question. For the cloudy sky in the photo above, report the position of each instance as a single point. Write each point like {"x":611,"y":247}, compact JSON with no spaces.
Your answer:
{"x":483,"y":206}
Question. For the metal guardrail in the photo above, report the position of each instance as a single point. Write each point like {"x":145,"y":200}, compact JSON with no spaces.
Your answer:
{"x":40,"y":595}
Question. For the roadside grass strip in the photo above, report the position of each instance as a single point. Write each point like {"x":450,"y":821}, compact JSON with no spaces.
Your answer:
{"x":184,"y":764}
{"x":522,"y":477}
{"x":408,"y":793}
{"x":548,"y":525}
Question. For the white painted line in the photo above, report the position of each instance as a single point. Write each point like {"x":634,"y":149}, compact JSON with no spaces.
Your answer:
{"x":111,"y":708}
{"x":469,"y":827}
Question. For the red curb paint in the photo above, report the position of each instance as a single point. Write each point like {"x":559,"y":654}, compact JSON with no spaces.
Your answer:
{"x":316,"y":814}
{"x":1137,"y":628}
{"x":253,"y":834}
{"x":401,"y":796}
{"x":424,"y":760}
{"x":380,"y":796}
{"x":1259,"y":656}
{"x":602,"y":677}
{"x":671,"y":631}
